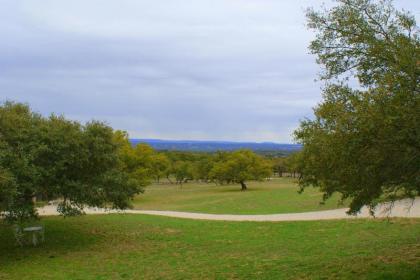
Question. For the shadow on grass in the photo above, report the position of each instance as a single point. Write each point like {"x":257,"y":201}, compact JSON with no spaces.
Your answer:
{"x":402,"y":271}
{"x":62,"y":235}
{"x":238,"y":190}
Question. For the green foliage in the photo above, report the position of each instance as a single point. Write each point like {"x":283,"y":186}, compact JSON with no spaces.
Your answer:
{"x":239,"y":167}
{"x":19,"y":144}
{"x":54,"y":158}
{"x":8,"y":188}
{"x":364,"y":142}
{"x":160,"y":165}
{"x":222,"y":167}
{"x":183,"y":166}
{"x":182,"y":171}
{"x":370,"y":37}
{"x":279,"y":165}
{"x":136,"y":161}
{"x":203,"y":167}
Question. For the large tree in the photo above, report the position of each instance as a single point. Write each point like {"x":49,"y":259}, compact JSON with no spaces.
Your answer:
{"x":364,"y":141}
{"x":53,"y":158}
{"x":239,"y":167}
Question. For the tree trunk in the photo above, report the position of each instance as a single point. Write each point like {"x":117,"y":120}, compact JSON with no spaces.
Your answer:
{"x":243,"y":186}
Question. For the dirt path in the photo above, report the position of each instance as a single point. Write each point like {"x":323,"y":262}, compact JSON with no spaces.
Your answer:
{"x":401,"y":209}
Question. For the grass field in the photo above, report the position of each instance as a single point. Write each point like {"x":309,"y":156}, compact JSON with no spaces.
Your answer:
{"x":276,"y":196}
{"x":145,"y":247}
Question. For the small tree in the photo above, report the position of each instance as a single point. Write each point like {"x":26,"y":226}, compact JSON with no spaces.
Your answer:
{"x":241,"y":166}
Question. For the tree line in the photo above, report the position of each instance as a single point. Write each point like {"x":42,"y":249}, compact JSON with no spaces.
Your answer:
{"x":49,"y":158}
{"x":222,"y":167}
{"x":235,"y":167}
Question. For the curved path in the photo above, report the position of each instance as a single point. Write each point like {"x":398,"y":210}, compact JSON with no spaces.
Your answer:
{"x":403,"y":208}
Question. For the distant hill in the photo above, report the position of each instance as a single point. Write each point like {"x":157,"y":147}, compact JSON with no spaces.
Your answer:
{"x":211,"y":146}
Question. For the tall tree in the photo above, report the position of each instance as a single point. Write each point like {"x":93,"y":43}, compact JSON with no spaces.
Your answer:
{"x":365,"y":139}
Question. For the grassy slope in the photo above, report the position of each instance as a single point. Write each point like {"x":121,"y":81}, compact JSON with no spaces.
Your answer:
{"x":146,"y":247}
{"x":276,"y":196}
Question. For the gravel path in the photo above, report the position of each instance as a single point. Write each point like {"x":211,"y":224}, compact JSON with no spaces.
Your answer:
{"x":401,"y":209}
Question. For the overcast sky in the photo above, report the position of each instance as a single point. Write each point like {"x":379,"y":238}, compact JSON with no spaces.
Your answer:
{"x":175,"y":69}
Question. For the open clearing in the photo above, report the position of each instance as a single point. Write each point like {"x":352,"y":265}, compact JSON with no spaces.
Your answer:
{"x":278,"y":195}
{"x":148,"y":247}
{"x":137,"y":246}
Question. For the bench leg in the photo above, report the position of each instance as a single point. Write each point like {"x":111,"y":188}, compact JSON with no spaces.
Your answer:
{"x":34,"y":239}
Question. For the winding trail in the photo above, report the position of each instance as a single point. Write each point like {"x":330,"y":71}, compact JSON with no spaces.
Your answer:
{"x":403,"y":208}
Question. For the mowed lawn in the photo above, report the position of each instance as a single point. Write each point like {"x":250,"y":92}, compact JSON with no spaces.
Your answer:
{"x":148,"y":247}
{"x":279,"y":195}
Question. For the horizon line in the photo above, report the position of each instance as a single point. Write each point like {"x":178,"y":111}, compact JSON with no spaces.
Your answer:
{"x":214,"y":141}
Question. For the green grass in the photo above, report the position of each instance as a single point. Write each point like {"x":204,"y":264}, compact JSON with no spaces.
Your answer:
{"x":147,"y":247}
{"x":276,"y":196}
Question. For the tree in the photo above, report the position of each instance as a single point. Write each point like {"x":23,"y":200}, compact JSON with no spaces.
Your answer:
{"x":136,"y":161}
{"x":183,"y":171}
{"x":182,"y":166}
{"x":279,"y":165}
{"x":159,"y":165}
{"x":202,"y":167}
{"x":53,"y":158}
{"x":19,"y":143}
{"x":8,"y":189}
{"x":364,"y":142}
{"x":239,"y":167}
{"x":292,"y":163}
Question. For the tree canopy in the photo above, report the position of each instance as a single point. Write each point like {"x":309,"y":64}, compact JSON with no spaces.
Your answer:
{"x":364,"y":141}
{"x":52,"y":158}
{"x":239,"y":167}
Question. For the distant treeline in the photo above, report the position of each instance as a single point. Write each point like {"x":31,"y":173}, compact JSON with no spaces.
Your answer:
{"x":222,"y":167}
{"x":213,"y":146}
